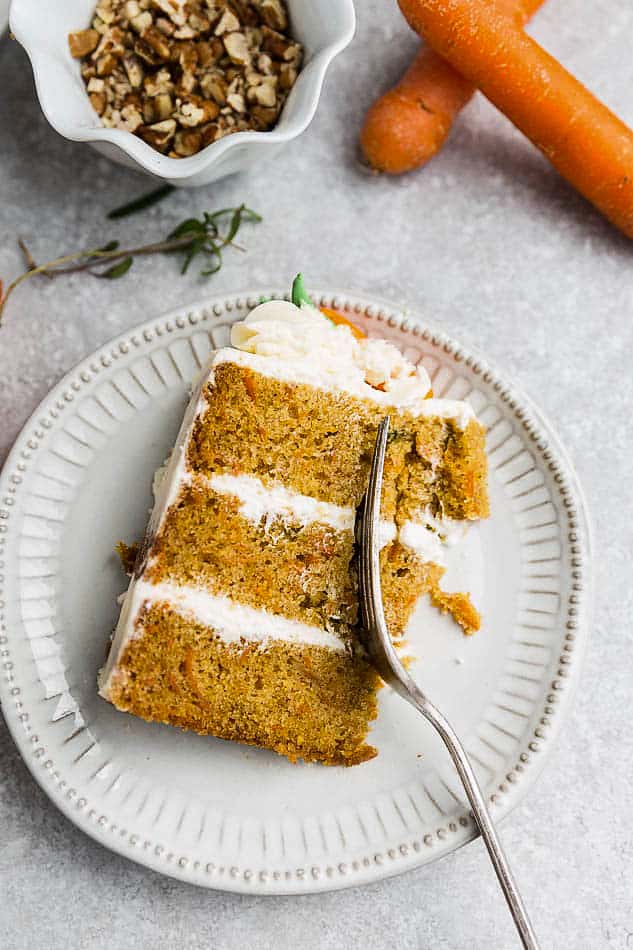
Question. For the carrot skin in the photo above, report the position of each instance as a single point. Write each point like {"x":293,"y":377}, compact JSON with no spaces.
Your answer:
{"x":409,"y":124}
{"x":590,"y":147}
{"x":523,"y":11}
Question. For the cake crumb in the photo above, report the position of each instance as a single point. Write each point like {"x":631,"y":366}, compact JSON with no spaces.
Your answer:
{"x":127,"y":555}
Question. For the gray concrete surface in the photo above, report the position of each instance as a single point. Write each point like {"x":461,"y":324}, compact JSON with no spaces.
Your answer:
{"x":486,"y":240}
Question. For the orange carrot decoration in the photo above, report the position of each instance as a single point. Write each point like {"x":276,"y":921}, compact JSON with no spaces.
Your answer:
{"x":580,"y":136}
{"x":409,"y":124}
{"x":339,"y":318}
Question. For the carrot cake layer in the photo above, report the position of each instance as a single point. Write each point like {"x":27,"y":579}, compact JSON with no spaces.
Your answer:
{"x":300,"y":698}
{"x":297,"y":568}
{"x":320,"y":442}
{"x":241,"y":619}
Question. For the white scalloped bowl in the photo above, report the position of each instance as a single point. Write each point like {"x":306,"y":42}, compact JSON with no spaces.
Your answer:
{"x":42,"y":29}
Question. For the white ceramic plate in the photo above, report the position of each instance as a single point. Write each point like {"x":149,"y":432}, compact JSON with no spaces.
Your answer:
{"x":223,"y":815}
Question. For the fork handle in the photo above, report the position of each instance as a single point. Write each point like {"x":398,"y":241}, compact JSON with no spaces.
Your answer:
{"x":387,"y":662}
{"x":480,"y":813}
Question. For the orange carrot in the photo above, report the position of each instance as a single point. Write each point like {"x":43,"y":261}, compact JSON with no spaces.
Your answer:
{"x":408,"y":125}
{"x":580,"y":136}
{"x":337,"y":317}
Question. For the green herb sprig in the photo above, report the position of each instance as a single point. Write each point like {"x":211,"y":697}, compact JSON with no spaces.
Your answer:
{"x":147,"y":200}
{"x":204,"y":238}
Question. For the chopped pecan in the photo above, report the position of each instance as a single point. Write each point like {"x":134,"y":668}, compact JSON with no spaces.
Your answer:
{"x":141,"y":22}
{"x":273,"y":14}
{"x":265,"y":93}
{"x":264,"y":63}
{"x":172,"y":9}
{"x":188,"y":57}
{"x":98,"y":101}
{"x":82,"y":43}
{"x":165,"y":26}
{"x":210,"y":133}
{"x":134,"y":70}
{"x":228,"y":23}
{"x":145,"y":52}
{"x":159,"y":135}
{"x":105,"y":12}
{"x":214,"y":86}
{"x":163,"y":106}
{"x":287,"y":76}
{"x":263,"y":117}
{"x":209,"y":52}
{"x":199,"y":23}
{"x":157,"y":42}
{"x":279,"y":46}
{"x":106,"y":65}
{"x":182,"y":74}
{"x":131,"y":118}
{"x":156,"y":83}
{"x":236,"y":101}
{"x":237,"y":48}
{"x":197,"y":111}
{"x":188,"y":142}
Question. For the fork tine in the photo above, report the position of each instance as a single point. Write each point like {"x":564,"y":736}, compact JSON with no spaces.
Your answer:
{"x":361,"y":540}
{"x":378,"y":464}
{"x":360,"y":533}
{"x":370,"y":536}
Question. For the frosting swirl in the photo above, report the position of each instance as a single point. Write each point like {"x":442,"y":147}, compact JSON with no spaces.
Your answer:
{"x":303,"y":334}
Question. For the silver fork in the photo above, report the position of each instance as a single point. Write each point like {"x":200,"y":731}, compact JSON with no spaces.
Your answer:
{"x":387,"y":663}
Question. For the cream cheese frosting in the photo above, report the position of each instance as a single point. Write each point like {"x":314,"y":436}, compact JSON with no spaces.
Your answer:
{"x":281,"y":329}
{"x":302,"y":345}
{"x":407,"y":398}
{"x":231,"y":622}
{"x":260,"y":502}
{"x":329,"y":353}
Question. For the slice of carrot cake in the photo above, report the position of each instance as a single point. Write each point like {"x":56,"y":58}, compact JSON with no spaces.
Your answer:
{"x":240,"y":620}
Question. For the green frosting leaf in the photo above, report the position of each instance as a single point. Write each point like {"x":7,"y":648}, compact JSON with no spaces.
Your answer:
{"x":299,"y":293}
